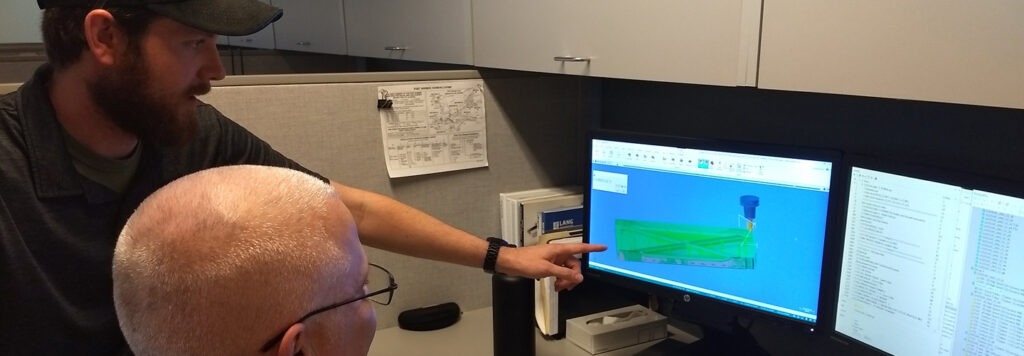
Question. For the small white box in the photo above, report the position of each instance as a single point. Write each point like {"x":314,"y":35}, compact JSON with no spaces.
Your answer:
{"x":616,"y":328}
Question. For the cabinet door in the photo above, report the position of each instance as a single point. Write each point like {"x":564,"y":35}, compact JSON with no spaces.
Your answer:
{"x":969,"y":52}
{"x":432,"y":31}
{"x":688,"y":41}
{"x":311,"y":26}
{"x":19,"y":22}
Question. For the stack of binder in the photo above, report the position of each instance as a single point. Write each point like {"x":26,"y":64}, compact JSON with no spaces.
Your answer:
{"x":521,"y":211}
{"x":538,"y":216}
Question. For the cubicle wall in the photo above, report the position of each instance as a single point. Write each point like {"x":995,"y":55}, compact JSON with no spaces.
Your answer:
{"x":330,"y":124}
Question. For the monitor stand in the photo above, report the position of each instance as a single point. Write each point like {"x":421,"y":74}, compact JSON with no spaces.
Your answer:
{"x":712,"y":343}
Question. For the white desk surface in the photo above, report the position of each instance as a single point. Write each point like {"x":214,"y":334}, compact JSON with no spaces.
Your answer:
{"x":472,"y":335}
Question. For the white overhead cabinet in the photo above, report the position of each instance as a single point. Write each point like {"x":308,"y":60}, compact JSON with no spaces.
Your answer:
{"x":19,"y":22}
{"x":969,"y":52}
{"x":686,"y":41}
{"x":432,"y":31}
{"x":311,"y":26}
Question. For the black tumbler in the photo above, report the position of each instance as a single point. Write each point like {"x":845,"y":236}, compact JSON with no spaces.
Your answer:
{"x":512,"y":305}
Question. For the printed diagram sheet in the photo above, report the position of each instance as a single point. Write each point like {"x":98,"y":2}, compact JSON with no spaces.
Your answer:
{"x":433,"y":127}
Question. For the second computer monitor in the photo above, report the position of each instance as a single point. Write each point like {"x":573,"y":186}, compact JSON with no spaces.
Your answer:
{"x":932,"y":262}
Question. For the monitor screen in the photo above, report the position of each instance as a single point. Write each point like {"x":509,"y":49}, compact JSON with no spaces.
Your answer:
{"x":932,"y":262}
{"x":741,"y":224}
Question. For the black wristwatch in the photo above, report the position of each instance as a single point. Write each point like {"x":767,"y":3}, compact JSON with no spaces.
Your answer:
{"x":491,"y":259}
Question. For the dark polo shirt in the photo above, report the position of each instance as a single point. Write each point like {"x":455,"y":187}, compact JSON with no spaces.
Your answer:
{"x":58,"y":229}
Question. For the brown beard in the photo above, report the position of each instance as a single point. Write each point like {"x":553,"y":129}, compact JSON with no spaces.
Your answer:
{"x":127,"y":95}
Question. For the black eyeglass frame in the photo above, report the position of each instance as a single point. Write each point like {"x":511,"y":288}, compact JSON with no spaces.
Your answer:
{"x":390,"y":289}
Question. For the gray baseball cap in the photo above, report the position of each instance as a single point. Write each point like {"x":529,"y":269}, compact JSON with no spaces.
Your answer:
{"x":222,"y":17}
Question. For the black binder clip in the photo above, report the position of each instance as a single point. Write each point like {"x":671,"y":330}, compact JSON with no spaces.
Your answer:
{"x":384,"y":102}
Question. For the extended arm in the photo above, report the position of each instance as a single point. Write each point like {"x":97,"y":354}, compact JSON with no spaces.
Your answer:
{"x":388,"y":224}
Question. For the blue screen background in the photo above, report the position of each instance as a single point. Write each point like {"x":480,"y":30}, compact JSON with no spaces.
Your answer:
{"x":790,"y":232}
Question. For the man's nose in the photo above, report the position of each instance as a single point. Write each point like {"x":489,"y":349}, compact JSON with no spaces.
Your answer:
{"x":213,"y":68}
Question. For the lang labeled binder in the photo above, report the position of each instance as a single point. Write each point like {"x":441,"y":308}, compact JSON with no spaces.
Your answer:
{"x":560,"y":219}
{"x":535,"y":210}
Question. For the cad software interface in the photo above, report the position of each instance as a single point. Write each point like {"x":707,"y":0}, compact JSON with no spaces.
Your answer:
{"x":930,"y":268}
{"x":743,"y":228}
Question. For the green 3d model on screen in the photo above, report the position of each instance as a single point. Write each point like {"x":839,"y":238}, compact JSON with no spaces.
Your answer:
{"x":694,"y":245}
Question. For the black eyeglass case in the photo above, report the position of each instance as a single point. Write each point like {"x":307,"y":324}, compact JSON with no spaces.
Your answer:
{"x":430,"y":318}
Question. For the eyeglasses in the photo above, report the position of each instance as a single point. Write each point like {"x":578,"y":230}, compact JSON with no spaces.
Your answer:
{"x":380,"y":296}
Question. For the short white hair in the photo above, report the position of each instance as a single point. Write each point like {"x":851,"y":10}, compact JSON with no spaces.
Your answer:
{"x":214,"y":261}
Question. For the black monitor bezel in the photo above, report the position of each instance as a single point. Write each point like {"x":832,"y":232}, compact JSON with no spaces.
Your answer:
{"x":941,"y":174}
{"x":697,"y":301}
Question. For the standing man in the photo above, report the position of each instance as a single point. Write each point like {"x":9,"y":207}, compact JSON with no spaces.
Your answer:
{"x":113,"y":117}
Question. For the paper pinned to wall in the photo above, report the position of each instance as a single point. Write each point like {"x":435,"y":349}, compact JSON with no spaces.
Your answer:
{"x":433,"y":127}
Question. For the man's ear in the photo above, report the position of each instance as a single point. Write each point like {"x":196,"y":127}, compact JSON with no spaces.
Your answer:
{"x":294,"y":341}
{"x":103,"y":37}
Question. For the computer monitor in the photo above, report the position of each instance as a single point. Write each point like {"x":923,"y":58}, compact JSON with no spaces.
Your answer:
{"x":932,"y":261}
{"x":737,"y":226}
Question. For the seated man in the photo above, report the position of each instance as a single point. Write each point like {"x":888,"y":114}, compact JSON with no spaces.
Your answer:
{"x":243,"y":260}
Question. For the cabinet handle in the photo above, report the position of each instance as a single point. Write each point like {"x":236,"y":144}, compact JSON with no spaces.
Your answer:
{"x":395,"y":48}
{"x":303,"y":43}
{"x":571,"y":59}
